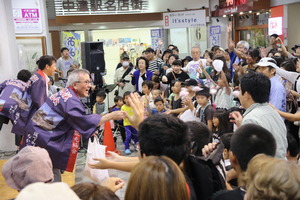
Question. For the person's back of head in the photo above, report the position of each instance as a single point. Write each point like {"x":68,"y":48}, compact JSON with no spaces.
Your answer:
{"x":250,"y":140}
{"x":272,"y":178}
{"x":225,"y":139}
{"x":201,"y":135}
{"x":24,"y":75}
{"x":156,"y":178}
{"x":30,"y":165}
{"x":293,"y":148}
{"x":92,"y":191}
{"x":164,"y":135}
{"x":257,"y":85}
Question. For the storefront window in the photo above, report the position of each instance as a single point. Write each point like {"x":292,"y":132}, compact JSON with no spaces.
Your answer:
{"x":256,"y":37}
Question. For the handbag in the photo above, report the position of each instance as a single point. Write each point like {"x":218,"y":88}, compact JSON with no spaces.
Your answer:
{"x":95,"y":150}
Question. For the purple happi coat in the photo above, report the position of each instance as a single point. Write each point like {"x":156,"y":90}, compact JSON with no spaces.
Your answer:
{"x":35,"y":96}
{"x":57,"y":126}
{"x":12,"y":99}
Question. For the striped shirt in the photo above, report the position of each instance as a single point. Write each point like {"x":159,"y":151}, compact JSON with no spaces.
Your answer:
{"x":154,"y":65}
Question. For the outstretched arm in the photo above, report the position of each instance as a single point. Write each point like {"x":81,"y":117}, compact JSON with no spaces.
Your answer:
{"x":288,"y":116}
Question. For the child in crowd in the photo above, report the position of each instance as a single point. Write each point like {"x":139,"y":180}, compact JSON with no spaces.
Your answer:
{"x":119,"y":123}
{"x":156,"y":93}
{"x":52,"y":89}
{"x":175,"y":104}
{"x":190,"y":84}
{"x":159,"y":106}
{"x":100,"y":107}
{"x":130,"y":131}
{"x":203,"y":111}
{"x":176,"y":74}
{"x":221,"y":124}
{"x":225,"y":139}
{"x":147,"y":87}
{"x":171,"y":59}
{"x":224,"y":96}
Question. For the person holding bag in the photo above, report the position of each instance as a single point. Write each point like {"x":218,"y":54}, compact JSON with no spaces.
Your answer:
{"x":59,"y":123}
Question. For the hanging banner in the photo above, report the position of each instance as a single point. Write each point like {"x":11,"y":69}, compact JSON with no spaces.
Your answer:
{"x":71,"y":40}
{"x":215,"y":35}
{"x":186,"y":19}
{"x":155,"y":36}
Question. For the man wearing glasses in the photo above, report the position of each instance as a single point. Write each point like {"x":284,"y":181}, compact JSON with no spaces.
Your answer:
{"x":61,"y":120}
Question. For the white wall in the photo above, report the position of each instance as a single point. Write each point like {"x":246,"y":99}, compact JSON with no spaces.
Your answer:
{"x":282,"y":2}
{"x":163,"y":5}
{"x":8,"y":63}
{"x":112,"y":53}
{"x":293,"y":25}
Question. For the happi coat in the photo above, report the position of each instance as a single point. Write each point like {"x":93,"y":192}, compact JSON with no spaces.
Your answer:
{"x":12,"y":99}
{"x":57,"y":126}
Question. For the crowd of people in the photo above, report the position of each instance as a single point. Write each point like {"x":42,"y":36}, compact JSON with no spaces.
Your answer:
{"x":202,"y":125}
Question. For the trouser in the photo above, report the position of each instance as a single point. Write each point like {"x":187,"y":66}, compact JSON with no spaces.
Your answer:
{"x":130,"y":133}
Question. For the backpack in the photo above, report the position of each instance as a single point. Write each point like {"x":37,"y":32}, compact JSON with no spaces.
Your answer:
{"x":207,"y":174}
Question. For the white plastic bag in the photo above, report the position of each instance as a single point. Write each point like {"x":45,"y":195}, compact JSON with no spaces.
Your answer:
{"x":188,"y":115}
{"x":95,"y":150}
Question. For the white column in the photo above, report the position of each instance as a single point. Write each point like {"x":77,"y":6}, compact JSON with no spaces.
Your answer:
{"x":8,"y":63}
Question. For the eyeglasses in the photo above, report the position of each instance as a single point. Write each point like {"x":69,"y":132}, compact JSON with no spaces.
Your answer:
{"x":86,"y":82}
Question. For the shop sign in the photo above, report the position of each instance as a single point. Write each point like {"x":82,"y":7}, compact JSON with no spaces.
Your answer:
{"x":186,"y":19}
{"x":227,"y":7}
{"x":275,"y":25}
{"x":27,"y":20}
{"x":96,"y":7}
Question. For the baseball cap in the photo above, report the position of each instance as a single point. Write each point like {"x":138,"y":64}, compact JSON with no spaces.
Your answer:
{"x":265,"y":62}
{"x":30,"y":165}
{"x":189,"y":82}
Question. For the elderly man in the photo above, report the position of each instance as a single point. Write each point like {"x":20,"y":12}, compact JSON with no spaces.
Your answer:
{"x":60,"y":121}
{"x":193,"y":66}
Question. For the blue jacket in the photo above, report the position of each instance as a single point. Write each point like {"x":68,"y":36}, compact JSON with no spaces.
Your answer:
{"x":135,"y":79}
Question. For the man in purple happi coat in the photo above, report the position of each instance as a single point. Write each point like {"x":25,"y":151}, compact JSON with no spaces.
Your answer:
{"x":36,"y":93}
{"x":12,"y":97}
{"x":59,"y":122}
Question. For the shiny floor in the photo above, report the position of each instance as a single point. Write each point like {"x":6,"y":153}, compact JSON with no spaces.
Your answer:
{"x":70,"y":178}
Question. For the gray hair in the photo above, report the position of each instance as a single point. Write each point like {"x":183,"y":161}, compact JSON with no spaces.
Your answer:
{"x":74,"y":76}
{"x":244,"y":43}
{"x":197,"y":47}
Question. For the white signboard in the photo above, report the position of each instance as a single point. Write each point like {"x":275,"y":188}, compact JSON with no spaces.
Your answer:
{"x":275,"y":26}
{"x":186,"y":19}
{"x":27,"y":16}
